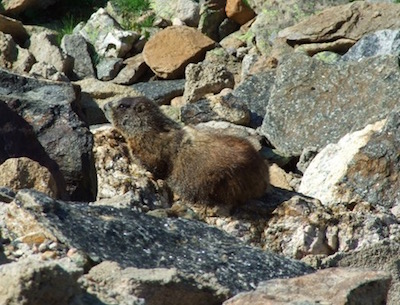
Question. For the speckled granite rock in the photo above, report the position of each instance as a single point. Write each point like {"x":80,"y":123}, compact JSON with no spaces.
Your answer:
{"x":134,"y":239}
{"x":309,"y":98}
{"x":118,"y":174}
{"x":255,"y":92}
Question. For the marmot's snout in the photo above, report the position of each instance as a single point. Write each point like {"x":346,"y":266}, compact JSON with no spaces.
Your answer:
{"x":107,"y":109}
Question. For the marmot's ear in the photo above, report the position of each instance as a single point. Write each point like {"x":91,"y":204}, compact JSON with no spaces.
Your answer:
{"x":140,"y":107}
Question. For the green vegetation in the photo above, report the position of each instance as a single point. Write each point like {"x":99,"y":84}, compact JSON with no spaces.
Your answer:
{"x":136,"y":14}
{"x":132,"y":6}
{"x":246,"y":2}
{"x":67,"y":25}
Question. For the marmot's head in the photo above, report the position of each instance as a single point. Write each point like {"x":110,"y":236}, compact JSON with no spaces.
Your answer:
{"x":133,"y":115}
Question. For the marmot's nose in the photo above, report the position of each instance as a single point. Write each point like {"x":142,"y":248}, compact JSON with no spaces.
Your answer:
{"x":107,"y":111}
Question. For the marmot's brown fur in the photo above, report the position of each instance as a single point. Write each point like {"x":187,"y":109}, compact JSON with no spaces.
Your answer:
{"x":198,"y":166}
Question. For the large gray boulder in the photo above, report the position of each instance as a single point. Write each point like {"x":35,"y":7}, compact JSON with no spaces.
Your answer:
{"x":134,"y":239}
{"x":38,"y":121}
{"x":314,"y":104}
{"x":362,"y":167}
{"x":76,"y":46}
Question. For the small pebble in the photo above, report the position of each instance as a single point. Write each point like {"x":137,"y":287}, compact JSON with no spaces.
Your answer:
{"x":49,"y":255}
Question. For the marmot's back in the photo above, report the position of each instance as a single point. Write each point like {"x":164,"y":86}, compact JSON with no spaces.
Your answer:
{"x":214,"y":168}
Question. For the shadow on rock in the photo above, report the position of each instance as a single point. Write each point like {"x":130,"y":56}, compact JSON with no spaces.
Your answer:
{"x":18,"y":139}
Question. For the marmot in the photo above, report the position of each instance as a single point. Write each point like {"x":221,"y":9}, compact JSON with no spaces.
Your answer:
{"x":199,"y":167}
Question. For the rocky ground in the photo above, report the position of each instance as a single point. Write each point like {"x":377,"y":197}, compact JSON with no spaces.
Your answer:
{"x":314,"y":85}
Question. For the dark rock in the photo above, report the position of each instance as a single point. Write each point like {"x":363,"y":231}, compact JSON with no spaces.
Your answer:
{"x":76,"y":46}
{"x":15,"y":28}
{"x":227,"y":27}
{"x":108,"y":68}
{"x":254,"y":92}
{"x":38,"y":121}
{"x":134,"y":68}
{"x":385,"y":42}
{"x":162,"y":91}
{"x":217,"y":108}
{"x":373,"y":174}
{"x":212,"y":14}
{"x":198,"y":112}
{"x":19,"y":7}
{"x":138,"y":240}
{"x":6,"y":194}
{"x":306,"y":157}
{"x":310,"y":97}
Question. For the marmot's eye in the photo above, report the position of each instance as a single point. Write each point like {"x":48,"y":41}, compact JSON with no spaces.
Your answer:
{"x":121,"y":106}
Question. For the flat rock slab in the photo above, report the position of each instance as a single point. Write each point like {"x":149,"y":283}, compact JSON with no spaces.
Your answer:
{"x":138,"y":240}
{"x":169,"y":51}
{"x":337,"y":286}
{"x":15,"y":28}
{"x":347,"y":22}
{"x":384,"y":256}
{"x":161,"y":91}
{"x":313,"y":103}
